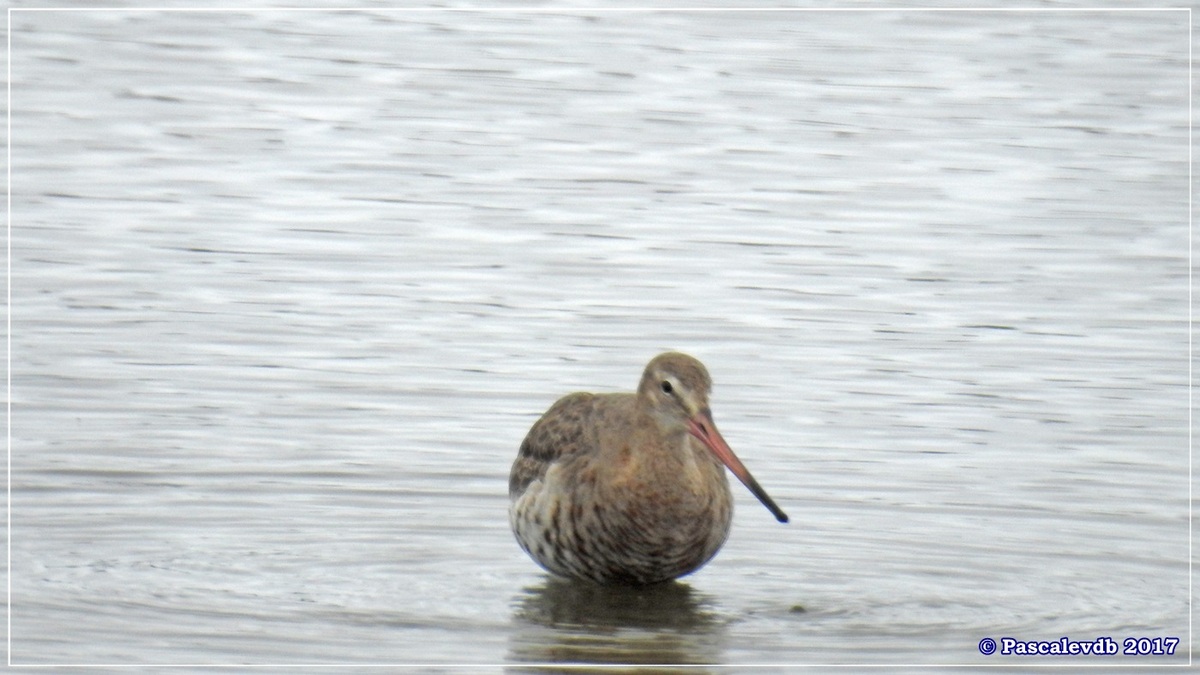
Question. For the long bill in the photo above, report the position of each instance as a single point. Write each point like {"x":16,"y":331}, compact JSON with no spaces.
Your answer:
{"x":701,"y":426}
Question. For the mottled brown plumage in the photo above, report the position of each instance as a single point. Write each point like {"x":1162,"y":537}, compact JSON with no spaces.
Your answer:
{"x":628,"y":488}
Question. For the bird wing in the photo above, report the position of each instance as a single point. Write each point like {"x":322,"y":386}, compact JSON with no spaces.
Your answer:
{"x":564,"y":431}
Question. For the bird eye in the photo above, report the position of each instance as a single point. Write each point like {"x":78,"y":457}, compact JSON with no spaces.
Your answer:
{"x":666,"y":387}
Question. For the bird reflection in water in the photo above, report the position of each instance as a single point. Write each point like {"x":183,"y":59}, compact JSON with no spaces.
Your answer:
{"x":570,"y":622}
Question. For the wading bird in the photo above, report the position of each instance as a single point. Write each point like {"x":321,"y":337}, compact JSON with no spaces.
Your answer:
{"x":628,"y":488}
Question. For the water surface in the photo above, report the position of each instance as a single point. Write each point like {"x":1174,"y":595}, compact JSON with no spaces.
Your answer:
{"x":290,"y":287}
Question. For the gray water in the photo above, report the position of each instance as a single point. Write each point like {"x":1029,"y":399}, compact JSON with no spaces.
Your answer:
{"x":288,"y":289}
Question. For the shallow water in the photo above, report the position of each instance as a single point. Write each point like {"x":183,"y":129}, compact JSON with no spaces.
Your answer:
{"x":290,"y":287}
